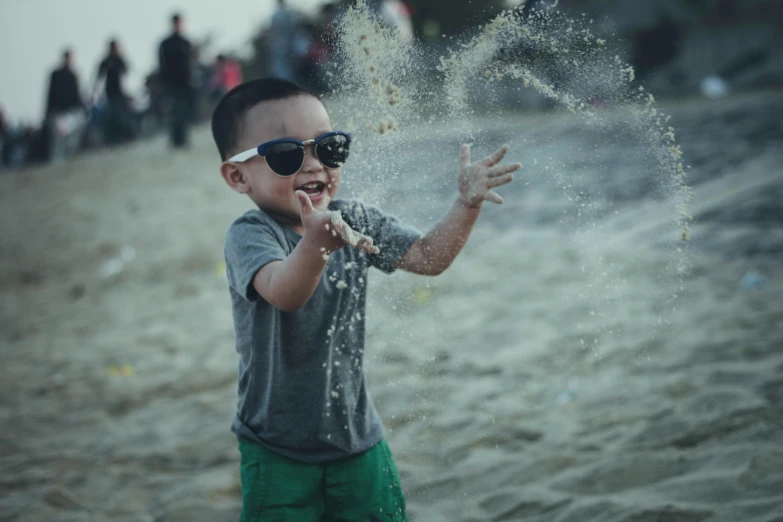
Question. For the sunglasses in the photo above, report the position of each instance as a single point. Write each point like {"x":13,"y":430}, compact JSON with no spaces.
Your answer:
{"x":286,"y":156}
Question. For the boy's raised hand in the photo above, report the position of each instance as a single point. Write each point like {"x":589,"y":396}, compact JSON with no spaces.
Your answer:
{"x":328,"y":231}
{"x":476,"y":180}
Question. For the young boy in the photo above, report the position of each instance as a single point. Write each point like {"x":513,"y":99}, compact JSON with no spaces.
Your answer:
{"x":310,"y":440}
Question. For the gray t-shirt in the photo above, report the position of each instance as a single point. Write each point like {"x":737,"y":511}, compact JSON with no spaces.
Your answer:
{"x":302,"y":390}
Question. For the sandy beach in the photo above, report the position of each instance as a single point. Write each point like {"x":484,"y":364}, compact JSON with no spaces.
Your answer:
{"x":549,"y":375}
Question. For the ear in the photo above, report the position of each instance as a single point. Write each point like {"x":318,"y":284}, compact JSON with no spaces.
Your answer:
{"x":234,"y":177}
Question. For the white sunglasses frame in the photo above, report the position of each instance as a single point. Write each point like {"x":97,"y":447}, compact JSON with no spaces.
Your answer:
{"x":251,"y":153}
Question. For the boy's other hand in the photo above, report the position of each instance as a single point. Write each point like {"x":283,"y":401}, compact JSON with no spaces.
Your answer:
{"x":476,"y":180}
{"x":328,"y":232}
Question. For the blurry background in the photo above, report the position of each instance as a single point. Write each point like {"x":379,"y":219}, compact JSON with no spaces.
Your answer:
{"x":562,"y":370}
{"x":677,"y":47}
{"x":35,"y":33}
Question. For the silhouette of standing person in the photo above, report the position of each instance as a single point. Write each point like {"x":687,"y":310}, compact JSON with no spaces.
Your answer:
{"x":64,"y":111}
{"x":63,"y":88}
{"x":175,"y":60}
{"x":112,"y":69}
{"x":282,"y":33}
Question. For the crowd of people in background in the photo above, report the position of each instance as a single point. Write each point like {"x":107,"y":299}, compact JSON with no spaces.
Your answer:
{"x":186,"y":84}
{"x":182,"y":89}
{"x":109,"y":115}
{"x":296,"y":48}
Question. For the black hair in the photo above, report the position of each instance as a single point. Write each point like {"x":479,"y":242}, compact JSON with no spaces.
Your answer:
{"x":175,"y":18}
{"x":229,"y":116}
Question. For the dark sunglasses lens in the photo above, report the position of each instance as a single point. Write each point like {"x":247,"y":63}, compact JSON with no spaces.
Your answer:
{"x":333,"y":151}
{"x":285,"y":159}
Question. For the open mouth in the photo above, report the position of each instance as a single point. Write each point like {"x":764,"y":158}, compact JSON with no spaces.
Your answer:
{"x":315,"y":190}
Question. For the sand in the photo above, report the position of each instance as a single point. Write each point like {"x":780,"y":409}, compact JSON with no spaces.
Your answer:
{"x":546,"y":376}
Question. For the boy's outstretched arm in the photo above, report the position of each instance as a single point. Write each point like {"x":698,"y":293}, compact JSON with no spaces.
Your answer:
{"x":434,"y":253}
{"x":289,"y":284}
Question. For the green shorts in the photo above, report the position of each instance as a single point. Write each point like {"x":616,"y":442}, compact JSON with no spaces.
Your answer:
{"x":361,"y":488}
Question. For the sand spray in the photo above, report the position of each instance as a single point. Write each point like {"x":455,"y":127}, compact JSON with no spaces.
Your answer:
{"x":390,"y":92}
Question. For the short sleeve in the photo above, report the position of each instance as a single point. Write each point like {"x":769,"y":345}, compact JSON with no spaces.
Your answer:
{"x":392,"y":237}
{"x":251,"y":244}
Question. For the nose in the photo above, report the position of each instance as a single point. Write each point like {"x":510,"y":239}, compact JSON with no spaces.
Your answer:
{"x":311,"y":163}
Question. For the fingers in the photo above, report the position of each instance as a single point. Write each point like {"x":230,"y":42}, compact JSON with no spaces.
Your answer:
{"x":495,"y":157}
{"x":464,"y":155}
{"x":349,"y":236}
{"x":503,"y":169}
{"x":357,"y":240}
{"x":365,"y":243}
{"x":337,"y":220}
{"x":493,"y":197}
{"x":305,"y":205}
{"x":500,"y":180}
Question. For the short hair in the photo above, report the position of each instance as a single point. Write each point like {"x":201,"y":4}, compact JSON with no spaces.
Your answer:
{"x":229,"y":116}
{"x":176,"y":18}
{"x":67,"y":53}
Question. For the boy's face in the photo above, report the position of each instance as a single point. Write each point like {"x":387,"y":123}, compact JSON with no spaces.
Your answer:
{"x":300,"y":117}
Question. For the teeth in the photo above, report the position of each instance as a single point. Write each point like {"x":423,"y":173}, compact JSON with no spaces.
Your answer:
{"x":313,"y":185}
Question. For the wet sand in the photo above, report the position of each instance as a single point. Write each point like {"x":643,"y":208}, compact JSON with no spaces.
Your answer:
{"x":547,"y":376}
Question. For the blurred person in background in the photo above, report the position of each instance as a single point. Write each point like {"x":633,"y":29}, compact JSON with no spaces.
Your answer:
{"x":316,"y":62}
{"x":156,"y":95}
{"x":65,"y":111}
{"x":2,"y":140}
{"x":15,"y":139}
{"x":111,"y":70}
{"x":281,"y":41}
{"x":200,"y":80}
{"x":63,"y":88}
{"x":176,"y":75}
{"x":226,"y":75}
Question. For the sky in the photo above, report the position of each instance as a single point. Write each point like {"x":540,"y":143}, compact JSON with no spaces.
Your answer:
{"x":33,"y":34}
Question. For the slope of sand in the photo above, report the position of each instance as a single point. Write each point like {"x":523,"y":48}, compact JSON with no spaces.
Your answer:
{"x":547,"y":376}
